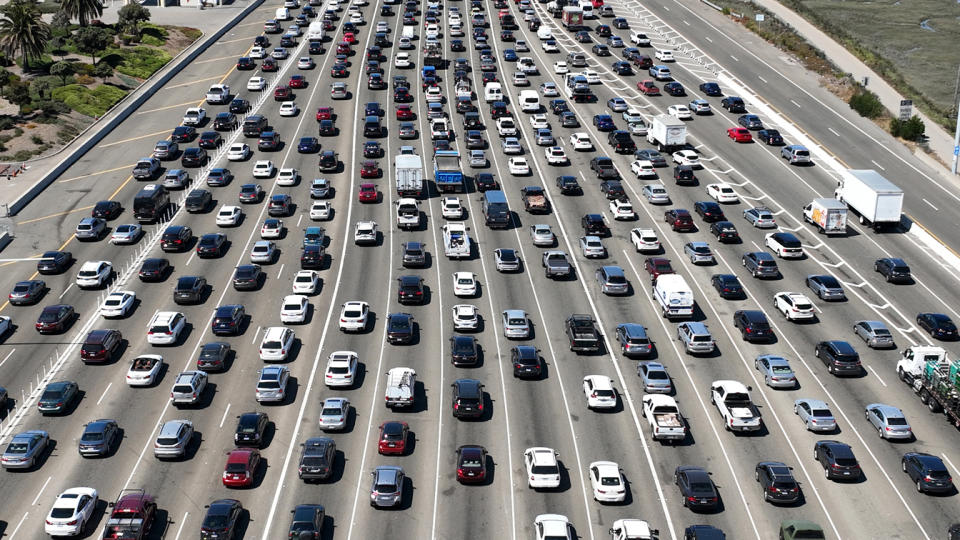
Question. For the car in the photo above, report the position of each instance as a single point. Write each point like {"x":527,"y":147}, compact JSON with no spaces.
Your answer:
{"x":272,"y":228}
{"x":334,"y":413}
{"x":183,"y":134}
{"x":739,"y":134}
{"x":213,"y":356}
{"x":58,"y":397}
{"x":263,"y":168}
{"x":518,"y":166}
{"x":687,"y":157}
{"x":648,"y":87}
{"x":277,"y":343}
{"x":776,"y":371}
{"x":794,"y":306}
{"x":722,"y":193}
{"x":188,"y":388}
{"x":839,"y":357}
{"x":353,"y":316}
{"x":679,"y":219}
{"x":471,"y":464}
{"x":341,"y":369}
{"x":893,"y":269}
{"x":543,"y":472}
{"x":305,"y":62}
{"x":607,"y":482}
{"x":306,"y":282}
{"x":770,"y":137}
{"x":94,"y":274}
{"x":101,"y":346}
{"x":760,"y":217}
{"x":256,"y":84}
{"x":248,"y":277}
{"x":753,"y":325}
{"x":294,"y":309}
{"x":612,"y":280}
{"x":515,"y":324}
{"x":464,"y":351}
{"x":542,"y":235}
{"x":91,"y":228}
{"x":826,"y":287}
{"x":655,"y":193}
{"x":410,"y":290}
{"x":25,"y":449}
{"x":221,"y":519}
{"x":251,"y":429}
{"x":238,"y":152}
{"x":777,"y":483}
{"x":698,"y":252}
{"x":727,"y":285}
{"x":464,"y":284}
{"x":617,"y":104}
{"x":367,"y":192}
{"x":750,"y":121}
{"x":604,"y":122}
{"x":386,"y":490}
{"x":189,"y":290}
{"x":874,"y":333}
{"x":27,"y":292}
{"x":837,"y":460}
{"x":307,"y":520}
{"x":654,"y":377}
{"x":599,"y":392}
{"x":938,"y":325}
{"x":54,"y":319}
{"x":815,"y":414}
{"x":581,"y":141}
{"x":99,"y":438}
{"x":553,"y":527}
{"x":154,"y":269}
{"x":227,"y":216}
{"x":889,"y":421}
{"x":796,"y":154}
{"x":927,"y":472}
{"x":365,"y":233}
{"x":568,"y":185}
{"x":696,"y":487}
{"x":71,"y":511}
{"x":272,"y":384}
{"x":239,"y":106}
{"x":709,"y":211}
{"x":54,"y":262}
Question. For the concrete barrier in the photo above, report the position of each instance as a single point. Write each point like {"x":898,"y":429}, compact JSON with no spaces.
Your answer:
{"x":5,"y":238}
{"x":147,"y":91}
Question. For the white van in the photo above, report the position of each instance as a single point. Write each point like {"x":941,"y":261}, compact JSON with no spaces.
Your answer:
{"x":282,"y":14}
{"x":544,"y":32}
{"x":529,"y":101}
{"x":407,"y":32}
{"x":493,"y":91}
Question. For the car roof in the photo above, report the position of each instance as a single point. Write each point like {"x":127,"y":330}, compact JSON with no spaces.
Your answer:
{"x":633,"y":329}
{"x":841,"y":347}
{"x":543,"y":455}
{"x":887,"y":410}
{"x":387,"y":473}
{"x":815,"y":403}
{"x":696,"y":327}
{"x":468,"y":387}
{"x":172,"y":427}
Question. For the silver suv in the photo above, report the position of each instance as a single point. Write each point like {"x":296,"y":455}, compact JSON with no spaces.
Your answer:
{"x":387,"y":487}
{"x":90,"y":228}
{"x":188,"y":387}
{"x":696,"y":338}
{"x":173,"y":439}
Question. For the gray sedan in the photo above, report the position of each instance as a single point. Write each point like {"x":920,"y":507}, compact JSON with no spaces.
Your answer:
{"x":826,"y":287}
{"x":25,"y":449}
{"x":776,"y":371}
{"x":334,"y":413}
{"x":98,"y":438}
{"x":654,"y":377}
{"x":874,"y":333}
{"x":542,"y":235}
{"x":815,"y":414}
{"x":889,"y":421}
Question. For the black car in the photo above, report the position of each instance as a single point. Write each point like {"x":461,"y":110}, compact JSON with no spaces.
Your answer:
{"x":711,"y":89}
{"x":225,"y":121}
{"x":183,"y":134}
{"x":467,"y":398}
{"x":327,"y":128}
{"x":725,"y":232}
{"x":622,"y":68}
{"x":211,"y":140}
{"x":316,"y":47}
{"x":839,"y":356}
{"x":154,"y":269}
{"x":464,"y":351}
{"x":195,"y":157}
{"x":307,"y":521}
{"x":674,"y":89}
{"x":484,"y":182}
{"x":176,"y":238}
{"x":928,"y":472}
{"x":410,"y":290}
{"x":621,"y":141}
{"x":733,"y":104}
{"x":568,"y":185}
{"x":219,"y":177}
{"x":329,"y":161}
{"x":287,"y":41}
{"x":938,"y":325}
{"x":247,"y":277}
{"x":837,"y":460}
{"x":107,"y":210}
{"x":683,"y":175}
{"x":269,"y":140}
{"x":213,"y":356}
{"x":245,"y":63}
{"x":770,"y":136}
{"x":372,"y":149}
{"x":753,"y":325}
{"x":239,"y":106}
{"x":399,"y":328}
{"x":777,"y":482}
{"x":498,"y":109}
{"x":703,"y":532}
{"x":612,"y":189}
{"x":594,"y":224}
{"x":198,"y":200}
{"x":709,"y":211}
{"x":251,"y":428}
{"x":308,"y":145}
{"x":228,"y":320}
{"x":221,"y":519}
{"x":558,"y":106}
{"x":311,"y":256}
{"x":895,"y":270}
{"x":603,"y":167}
{"x":526,"y":361}
{"x":696,"y":488}
{"x":27,"y":293}
{"x":189,"y":290}
{"x":54,"y":262}
{"x":727,"y":285}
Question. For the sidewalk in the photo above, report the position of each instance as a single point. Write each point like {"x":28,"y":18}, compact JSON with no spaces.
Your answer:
{"x":940,"y":142}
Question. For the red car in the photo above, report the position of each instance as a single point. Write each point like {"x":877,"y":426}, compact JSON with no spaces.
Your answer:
{"x":393,"y":438}
{"x":471,"y":464}
{"x":648,"y":88}
{"x":369,"y":169}
{"x":349,"y":37}
{"x":739,"y":134}
{"x":368,"y":193}
{"x":324,"y":113}
{"x":657,"y":266}
{"x":241,"y":465}
{"x":343,"y":48}
{"x":282,"y":93}
{"x":269,"y":64}
{"x":679,"y":220}
{"x":404,"y":112}
{"x":297,"y":81}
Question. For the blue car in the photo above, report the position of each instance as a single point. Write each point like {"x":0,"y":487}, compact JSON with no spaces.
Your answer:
{"x":510,"y":55}
{"x":308,"y":145}
{"x":604,"y":122}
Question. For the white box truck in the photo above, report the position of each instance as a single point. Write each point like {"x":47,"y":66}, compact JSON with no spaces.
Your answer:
{"x":315,"y":31}
{"x":674,"y":296}
{"x":873,"y":198}
{"x":829,"y":215}
{"x":408,"y":170}
{"x":667,"y":132}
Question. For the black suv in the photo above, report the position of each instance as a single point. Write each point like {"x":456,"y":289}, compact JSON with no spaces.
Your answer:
{"x":176,"y":238}
{"x":467,"y":398}
{"x":312,"y":256}
{"x":225,"y":121}
{"x":154,"y":269}
{"x":269,"y":140}
{"x":733,"y":104}
{"x":399,"y":328}
{"x":463,"y":351}
{"x":247,"y":277}
{"x":839,"y":357}
{"x":211,"y":140}
{"x":316,"y":462}
{"x":777,"y":482}
{"x":329,"y":161}
{"x":683,"y":175}
{"x":568,"y":185}
{"x":526,"y":361}
{"x":251,"y":427}
{"x":307,"y":521}
{"x":893,"y":269}
{"x":837,"y":460}
{"x":228,"y":319}
{"x":753,"y":325}
{"x":410,"y":290}
{"x":189,"y":290}
{"x":194,"y":157}
{"x":414,"y":254}
{"x":594,"y":224}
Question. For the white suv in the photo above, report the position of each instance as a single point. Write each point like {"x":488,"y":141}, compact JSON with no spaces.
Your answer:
{"x":276,"y":344}
{"x":165,"y":327}
{"x":93,"y":274}
{"x":543,"y":471}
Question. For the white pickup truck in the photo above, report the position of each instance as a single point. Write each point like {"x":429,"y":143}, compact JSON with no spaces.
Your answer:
{"x":408,"y":213}
{"x":456,"y":242}
{"x":663,"y":415}
{"x":732,"y":399}
{"x":194,"y":116}
{"x":401,"y":387}
{"x":218,"y":94}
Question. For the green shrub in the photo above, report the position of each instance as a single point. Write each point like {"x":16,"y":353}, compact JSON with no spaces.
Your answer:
{"x":151,"y":40}
{"x":84,"y":79}
{"x":89,"y":102}
{"x":866,"y":103}
{"x":36,"y":139}
{"x":142,"y":62}
{"x":6,"y":122}
{"x":911,"y":130}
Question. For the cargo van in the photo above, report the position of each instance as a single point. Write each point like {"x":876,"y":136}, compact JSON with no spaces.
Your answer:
{"x":282,"y":14}
{"x":529,"y":101}
{"x":495,"y":210}
{"x":407,"y":32}
{"x":493,"y":91}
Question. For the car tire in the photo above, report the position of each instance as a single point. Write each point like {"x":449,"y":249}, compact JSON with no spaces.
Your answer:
{"x":919,"y":487}
{"x":903,"y":465}
{"x":880,"y":433}
{"x":816,"y":352}
{"x":826,"y":473}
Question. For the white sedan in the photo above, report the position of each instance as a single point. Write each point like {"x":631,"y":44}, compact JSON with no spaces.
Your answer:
{"x":607,"y":482}
{"x":465,"y":317}
{"x":560,"y":67}
{"x":599,"y":392}
{"x":464,"y":284}
{"x":722,"y":193}
{"x":451,"y":208}
{"x":289,"y":108}
{"x":581,"y":141}
{"x":229,"y":216}
{"x":320,"y":210}
{"x":681,"y":112}
{"x":144,"y":370}
{"x":118,"y":304}
{"x":287,"y":176}
{"x":256,"y":84}
{"x":555,"y":155}
{"x":402,"y":60}
{"x":539,"y":121}
{"x":71,"y":512}
{"x":592,"y":76}
{"x":126,"y":234}
{"x":518,"y":166}
{"x":365,"y":233}
{"x":353,"y":316}
{"x":258,"y":53}
{"x":643,"y":168}
{"x":306,"y":282}
{"x":622,"y":209}
{"x":271,"y":229}
{"x":238,"y":152}
{"x":294,"y":309}
{"x":263,"y":169}
{"x":553,"y":527}
{"x":687,"y":157}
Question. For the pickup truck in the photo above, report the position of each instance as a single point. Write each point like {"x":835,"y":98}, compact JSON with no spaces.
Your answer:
{"x":401,"y":387}
{"x":582,"y":333}
{"x":556,"y":264}
{"x":535,"y":200}
{"x":194,"y":116}
{"x":218,"y":94}
{"x":733,"y":401}
{"x":408,"y":213}
{"x":146,"y":168}
{"x":663,"y":415}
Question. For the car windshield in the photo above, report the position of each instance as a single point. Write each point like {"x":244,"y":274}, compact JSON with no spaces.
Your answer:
{"x":216,"y":521}
{"x":331,"y":411}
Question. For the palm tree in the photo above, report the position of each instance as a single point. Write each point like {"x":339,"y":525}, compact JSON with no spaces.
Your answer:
{"x":82,"y":10}
{"x":22,"y":31}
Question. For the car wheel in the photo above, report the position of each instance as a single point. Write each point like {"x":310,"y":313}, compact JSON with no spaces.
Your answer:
{"x":880,"y":432}
{"x":826,"y":473}
{"x":795,"y":411}
{"x":919,"y":487}
{"x":816,"y":352}
{"x":830,"y":369}
{"x":756,"y":475}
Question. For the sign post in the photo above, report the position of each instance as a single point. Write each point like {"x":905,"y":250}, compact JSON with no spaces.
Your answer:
{"x":906,"y":109}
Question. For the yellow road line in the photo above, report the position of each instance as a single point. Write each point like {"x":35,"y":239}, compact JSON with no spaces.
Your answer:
{"x":215,"y":59}
{"x":167,"y":107}
{"x":58,"y":214}
{"x":154,"y":134}
{"x":82,"y":176}
{"x":181,"y":85}
{"x":36,"y":273}
{"x":233,"y":41}
{"x":934,"y":236}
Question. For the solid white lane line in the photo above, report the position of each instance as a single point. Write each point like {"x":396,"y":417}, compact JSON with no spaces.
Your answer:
{"x":7,"y":357}
{"x":190,"y":259}
{"x":224,"y":418}
{"x":39,"y":493}
{"x":877,"y":375}
{"x":17,"y":528}
{"x":280,"y":272}
{"x":182,"y":523}
{"x":795,"y":103}
{"x":105,"y":390}
{"x":879,"y":166}
{"x":931,"y":205}
{"x":255,"y":334}
{"x":65,"y":291}
{"x":762,"y":79}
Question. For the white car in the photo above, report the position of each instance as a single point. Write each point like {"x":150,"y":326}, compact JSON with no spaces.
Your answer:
{"x":681,"y":112}
{"x":632,"y":115}
{"x":229,"y":216}
{"x":722,"y":193}
{"x":518,"y":166}
{"x":465,"y":317}
{"x":607,"y":482}
{"x":402,"y":60}
{"x":306,"y":282}
{"x":118,"y":304}
{"x":258,"y":53}
{"x":289,"y":108}
{"x":520,"y":79}
{"x":433,"y":94}
{"x":353,"y":316}
{"x":664,"y":55}
{"x":256,"y":84}
{"x":279,"y":53}
{"x":144,"y":370}
{"x":553,"y":527}
{"x":555,"y":155}
{"x":784,"y":245}
{"x":94,"y":274}
{"x":238,"y":152}
{"x":271,"y":229}
{"x":581,"y":141}
{"x":549,"y":89}
{"x":365,"y":233}
{"x":560,"y":67}
{"x":506,"y":127}
{"x":645,"y":240}
{"x":383,"y":26}
{"x":272,"y":384}
{"x":451,"y":208}
{"x":687,"y":157}
{"x":622,"y":209}
{"x":165,"y":327}
{"x":643,"y":168}
{"x":543,"y":470}
{"x":632,"y":529}
{"x":464,"y":284}
{"x":539,"y":121}
{"x":305,"y":62}
{"x":550,"y":46}
{"x":321,"y":210}
{"x":71,"y":512}
{"x":334,"y":413}
{"x":599,"y":392}
{"x":356,"y":17}
{"x":126,"y":234}
{"x":341,"y":369}
{"x":527,"y":65}
{"x":592,"y":76}
{"x":793,"y":306}
{"x":294,"y":309}
{"x":287,"y":176}
{"x":263,"y":169}
{"x":276,"y":344}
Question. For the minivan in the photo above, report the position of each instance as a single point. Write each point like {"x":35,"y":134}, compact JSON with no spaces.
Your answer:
{"x":492,"y":92}
{"x":282,"y":14}
{"x":495,"y":209}
{"x":529,"y":101}
{"x":577,"y":59}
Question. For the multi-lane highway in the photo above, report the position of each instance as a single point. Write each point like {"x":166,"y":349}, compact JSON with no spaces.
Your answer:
{"x":549,"y":412}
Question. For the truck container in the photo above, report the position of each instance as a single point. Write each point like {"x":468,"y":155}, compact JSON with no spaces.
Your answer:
{"x":446,"y":170}
{"x":572,"y":17}
{"x":875,"y":200}
{"x":456,"y":241}
{"x":674,"y":296}
{"x":667,"y":132}
{"x":933,"y":377}
{"x":408,"y":171}
{"x":829,"y":215}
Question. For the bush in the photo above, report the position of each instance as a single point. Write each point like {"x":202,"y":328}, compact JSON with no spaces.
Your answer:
{"x":866,"y":103}
{"x":7,"y":122}
{"x":53,"y":108}
{"x":142,"y":62}
{"x":84,"y":79}
{"x":89,"y":102}
{"x":911,"y":130}
{"x":147,"y":39}
{"x":36,"y":139}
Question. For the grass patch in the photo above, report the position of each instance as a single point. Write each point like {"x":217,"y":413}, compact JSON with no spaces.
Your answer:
{"x":191,"y":33}
{"x":142,"y":62}
{"x":89,"y":102}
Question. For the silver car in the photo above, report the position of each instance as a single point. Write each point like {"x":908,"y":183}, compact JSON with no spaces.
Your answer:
{"x":126,"y":234}
{"x":387,"y":487}
{"x":826,"y":287}
{"x":90,"y":228}
{"x":874,"y":333}
{"x":98,"y":438}
{"x":25,"y":449}
{"x":699,"y":252}
{"x":334,"y":413}
{"x":272,"y":384}
{"x":506,"y":260}
{"x":592,"y":246}
{"x":655,"y":194}
{"x":320,"y":188}
{"x":542,"y":235}
{"x":263,"y":251}
{"x":889,"y":421}
{"x":515,"y":324}
{"x":173,"y":439}
{"x":776,"y":371}
{"x":695,"y":337}
{"x":478,"y":158}
{"x":654,"y":377}
{"x":188,"y":387}
{"x":511,"y":145}
{"x":815,"y":414}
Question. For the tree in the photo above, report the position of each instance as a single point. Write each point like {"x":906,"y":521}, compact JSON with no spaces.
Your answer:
{"x":19,"y":95}
{"x":103,"y":70}
{"x":22,"y":31}
{"x":909,"y":130}
{"x":92,"y":40}
{"x":866,"y":103}
{"x":82,"y":10}
{"x":41,"y":87}
{"x":62,"y":70}
{"x":131,"y":15}
{"x":60,"y":21}
{"x":4,"y":80}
